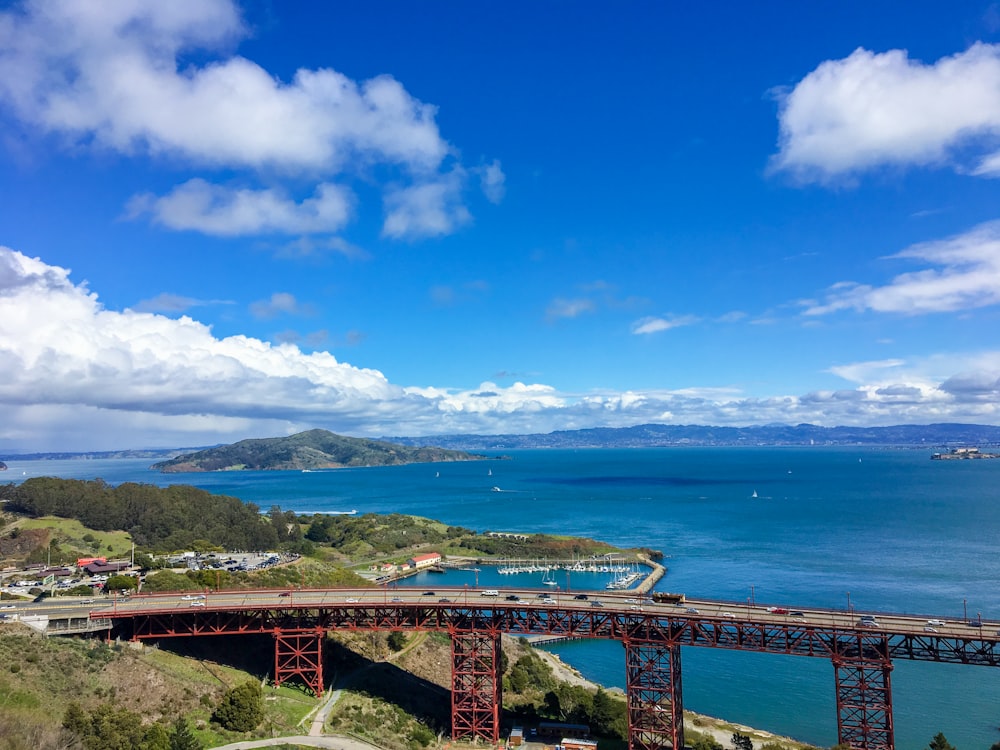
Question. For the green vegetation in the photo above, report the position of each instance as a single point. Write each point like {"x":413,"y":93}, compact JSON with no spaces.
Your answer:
{"x":159,"y":519}
{"x":537,"y":545}
{"x":314,"y":449}
{"x":241,"y":708}
{"x":383,"y":534}
{"x":940,"y":742}
{"x":115,"y":687}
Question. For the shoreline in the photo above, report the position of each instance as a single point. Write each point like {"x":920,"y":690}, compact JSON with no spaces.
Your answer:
{"x":719,"y":729}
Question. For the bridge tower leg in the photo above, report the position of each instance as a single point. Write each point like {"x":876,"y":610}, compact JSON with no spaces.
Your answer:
{"x":475,"y":685}
{"x":299,"y":655}
{"x":864,"y":700}
{"x":653,"y":694}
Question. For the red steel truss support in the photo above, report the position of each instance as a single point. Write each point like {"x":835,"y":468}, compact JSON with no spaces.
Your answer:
{"x":653,"y":687}
{"x":864,"y":702}
{"x":299,"y":655}
{"x":475,"y":685}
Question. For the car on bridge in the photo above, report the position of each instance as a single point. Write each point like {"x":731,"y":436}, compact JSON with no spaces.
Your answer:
{"x":581,"y":597}
{"x":936,"y":623}
{"x":777,"y":610}
{"x":512,"y":598}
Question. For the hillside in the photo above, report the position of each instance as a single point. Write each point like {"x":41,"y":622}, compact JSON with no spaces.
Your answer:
{"x":667,"y":435}
{"x":311,"y":450}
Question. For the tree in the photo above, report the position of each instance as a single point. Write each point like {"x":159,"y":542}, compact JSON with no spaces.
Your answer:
{"x":156,"y":738}
{"x":241,"y":708}
{"x":741,"y":742}
{"x":940,"y":742}
{"x":396,"y":640}
{"x":181,"y":737}
{"x":118,"y":582}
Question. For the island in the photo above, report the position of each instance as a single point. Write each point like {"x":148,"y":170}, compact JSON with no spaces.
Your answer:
{"x":308,"y":451}
{"x":961,"y":454}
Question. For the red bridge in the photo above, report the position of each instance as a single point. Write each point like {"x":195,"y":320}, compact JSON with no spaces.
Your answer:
{"x":861,"y":647}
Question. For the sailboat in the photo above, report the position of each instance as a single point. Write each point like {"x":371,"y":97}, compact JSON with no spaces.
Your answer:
{"x":547,"y":579}
{"x":489,"y":473}
{"x":754,"y":495}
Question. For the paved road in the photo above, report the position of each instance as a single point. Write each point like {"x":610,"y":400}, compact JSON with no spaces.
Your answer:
{"x":339,"y":743}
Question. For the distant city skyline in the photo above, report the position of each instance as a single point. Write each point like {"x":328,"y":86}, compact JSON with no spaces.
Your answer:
{"x":227,"y":220}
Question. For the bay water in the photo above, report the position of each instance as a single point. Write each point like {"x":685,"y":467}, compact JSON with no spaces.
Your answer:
{"x":885,"y":529}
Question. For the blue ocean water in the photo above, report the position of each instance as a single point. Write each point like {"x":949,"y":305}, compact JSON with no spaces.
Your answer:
{"x":897,"y":531}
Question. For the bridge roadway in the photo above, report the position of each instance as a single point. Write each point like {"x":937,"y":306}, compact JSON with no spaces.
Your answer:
{"x":652,"y":634}
{"x":563,"y":615}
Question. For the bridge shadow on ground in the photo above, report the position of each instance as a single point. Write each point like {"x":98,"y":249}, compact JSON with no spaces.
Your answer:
{"x":342,"y":669}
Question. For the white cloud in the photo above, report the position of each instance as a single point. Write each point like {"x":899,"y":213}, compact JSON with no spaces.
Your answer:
{"x":657,"y":324}
{"x":214,"y":209}
{"x":873,"y":109}
{"x":77,"y":376}
{"x":280,"y":303}
{"x":966,"y":275}
{"x":112,"y":73}
{"x":492,"y":180}
{"x":119,"y":77}
{"x":428,"y":209}
{"x":569,"y":308}
{"x":165,"y":302}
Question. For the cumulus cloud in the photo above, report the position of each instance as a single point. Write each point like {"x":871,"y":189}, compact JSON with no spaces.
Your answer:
{"x":965,"y":274}
{"x":874,"y":109}
{"x":75,"y":375}
{"x":427,"y":209}
{"x":213,"y":209}
{"x":492,"y":180}
{"x":120,"y":77}
{"x":111,"y":73}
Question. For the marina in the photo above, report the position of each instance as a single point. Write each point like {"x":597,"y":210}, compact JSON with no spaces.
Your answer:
{"x":896,"y":530}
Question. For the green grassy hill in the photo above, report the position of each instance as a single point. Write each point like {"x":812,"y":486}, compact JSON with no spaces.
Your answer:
{"x":314,"y":449}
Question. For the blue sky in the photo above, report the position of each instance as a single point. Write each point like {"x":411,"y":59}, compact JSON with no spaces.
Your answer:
{"x":224,"y":220}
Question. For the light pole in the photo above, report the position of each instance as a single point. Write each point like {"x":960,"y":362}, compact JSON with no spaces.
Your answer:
{"x":753,"y":598}
{"x":849,"y":603}
{"x":965,"y":610}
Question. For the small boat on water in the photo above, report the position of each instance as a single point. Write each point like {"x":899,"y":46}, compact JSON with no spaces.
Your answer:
{"x":495,"y":489}
{"x":489,"y":473}
{"x":754,"y":494}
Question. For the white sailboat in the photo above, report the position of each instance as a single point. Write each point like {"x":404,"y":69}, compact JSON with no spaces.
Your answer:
{"x":754,"y":495}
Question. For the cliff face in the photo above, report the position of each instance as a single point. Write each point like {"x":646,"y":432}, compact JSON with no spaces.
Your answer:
{"x":315,"y":449}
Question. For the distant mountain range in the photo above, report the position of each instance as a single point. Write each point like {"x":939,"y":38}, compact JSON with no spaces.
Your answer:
{"x":662,"y":435}
{"x":641,"y":436}
{"x":307,"y":451}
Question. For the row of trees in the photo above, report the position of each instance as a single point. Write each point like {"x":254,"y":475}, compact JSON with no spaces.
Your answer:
{"x":158,"y":518}
{"x":111,"y":728}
